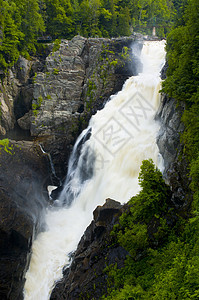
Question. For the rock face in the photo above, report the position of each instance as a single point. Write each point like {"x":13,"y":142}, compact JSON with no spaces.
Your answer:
{"x":170,"y":147}
{"x":15,"y":94}
{"x":85,"y":279}
{"x":171,"y":126}
{"x":23,"y":180}
{"x":7,"y":118}
{"x":54,"y":98}
{"x":77,"y":79}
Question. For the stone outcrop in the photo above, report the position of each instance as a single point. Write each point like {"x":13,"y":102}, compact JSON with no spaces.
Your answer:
{"x":54,"y":96}
{"x":11,"y":90}
{"x":7,"y":117}
{"x":16,"y":91}
{"x":85,"y":279}
{"x":77,"y":79}
{"x":23,"y":198}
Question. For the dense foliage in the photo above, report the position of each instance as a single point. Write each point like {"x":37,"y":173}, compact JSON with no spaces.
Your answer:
{"x":22,"y":22}
{"x":163,"y":248}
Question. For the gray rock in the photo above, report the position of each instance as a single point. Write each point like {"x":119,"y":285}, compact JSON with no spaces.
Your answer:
{"x":78,"y":79}
{"x":23,"y":67}
{"x":24,"y":122}
{"x":171,"y":148}
{"x":168,"y":139}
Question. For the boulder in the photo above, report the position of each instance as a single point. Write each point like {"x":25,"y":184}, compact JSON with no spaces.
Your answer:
{"x":24,"y":122}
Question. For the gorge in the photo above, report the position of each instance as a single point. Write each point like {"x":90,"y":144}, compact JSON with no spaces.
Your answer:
{"x":59,"y":134}
{"x":75,"y":119}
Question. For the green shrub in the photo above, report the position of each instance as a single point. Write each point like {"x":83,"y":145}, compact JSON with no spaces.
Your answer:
{"x":56,"y":45}
{"x":162,"y":264}
{"x":55,"y":71}
{"x":5,"y":145}
{"x":36,"y":105}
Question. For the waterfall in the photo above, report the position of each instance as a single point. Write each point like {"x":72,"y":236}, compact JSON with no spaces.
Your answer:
{"x":105,"y":163}
{"x":50,"y":161}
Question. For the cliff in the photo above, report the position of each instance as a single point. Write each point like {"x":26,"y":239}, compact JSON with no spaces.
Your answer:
{"x":49,"y":100}
{"x":53,"y":98}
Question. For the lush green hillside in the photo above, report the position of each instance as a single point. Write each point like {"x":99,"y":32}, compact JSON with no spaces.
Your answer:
{"x":23,"y":21}
{"x":163,"y":246}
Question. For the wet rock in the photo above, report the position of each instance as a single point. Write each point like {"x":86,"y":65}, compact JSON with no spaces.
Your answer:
{"x":23,"y":198}
{"x":7,"y":119}
{"x":168,"y":139}
{"x":170,"y":147}
{"x":24,"y":122}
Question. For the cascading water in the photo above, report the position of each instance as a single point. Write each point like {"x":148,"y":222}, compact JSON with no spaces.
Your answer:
{"x":105,"y":164}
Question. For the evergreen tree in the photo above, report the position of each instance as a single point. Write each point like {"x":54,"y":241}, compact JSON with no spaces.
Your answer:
{"x":59,"y":18}
{"x":11,"y":34}
{"x":31,"y":23}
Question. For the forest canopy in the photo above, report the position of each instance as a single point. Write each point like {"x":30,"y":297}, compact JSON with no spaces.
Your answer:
{"x":22,"y":22}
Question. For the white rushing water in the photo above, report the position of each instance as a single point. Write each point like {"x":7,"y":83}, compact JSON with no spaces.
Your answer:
{"x":106,"y":165}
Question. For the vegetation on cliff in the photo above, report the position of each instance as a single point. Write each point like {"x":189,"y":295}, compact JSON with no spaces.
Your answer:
{"x":22,"y":22}
{"x":163,"y":247}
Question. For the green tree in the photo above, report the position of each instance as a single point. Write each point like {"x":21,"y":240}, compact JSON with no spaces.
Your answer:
{"x":11,"y":34}
{"x":32,"y":24}
{"x":60,"y":18}
{"x":123,"y":20}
